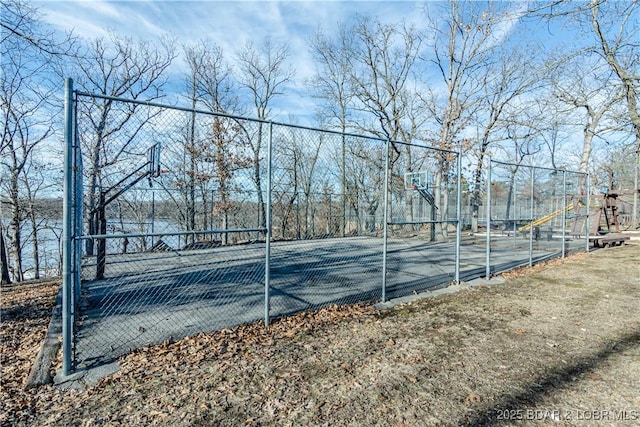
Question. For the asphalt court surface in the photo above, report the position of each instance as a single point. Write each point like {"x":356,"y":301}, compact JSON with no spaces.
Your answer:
{"x":147,"y":298}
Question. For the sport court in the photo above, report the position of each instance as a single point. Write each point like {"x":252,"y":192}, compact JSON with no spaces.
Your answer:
{"x":147,"y":298}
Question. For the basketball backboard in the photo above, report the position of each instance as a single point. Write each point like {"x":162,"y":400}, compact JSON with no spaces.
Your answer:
{"x":153,"y":159}
{"x":416,"y":180}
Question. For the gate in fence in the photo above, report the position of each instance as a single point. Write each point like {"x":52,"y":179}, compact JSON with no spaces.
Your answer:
{"x":179,"y":221}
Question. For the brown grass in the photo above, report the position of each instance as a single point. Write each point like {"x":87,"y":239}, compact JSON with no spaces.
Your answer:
{"x":556,"y":342}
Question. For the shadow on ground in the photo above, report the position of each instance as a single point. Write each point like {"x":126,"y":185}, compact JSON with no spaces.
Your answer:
{"x":553,"y":381}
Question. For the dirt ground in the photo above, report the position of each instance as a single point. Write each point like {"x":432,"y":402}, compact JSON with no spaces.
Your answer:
{"x":557,"y":344}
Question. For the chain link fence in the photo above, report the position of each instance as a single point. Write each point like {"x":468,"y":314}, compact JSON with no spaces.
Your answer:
{"x":423,"y":226}
{"x":40,"y":234}
{"x":535,"y":212}
{"x":179,"y":221}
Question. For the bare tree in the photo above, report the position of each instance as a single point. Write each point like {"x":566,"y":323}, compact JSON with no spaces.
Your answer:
{"x":263,"y":71}
{"x":22,"y":21}
{"x":365,"y":180}
{"x":332,"y":84}
{"x":617,"y":34}
{"x":286,"y":185}
{"x":36,"y":180}
{"x":208,"y":85}
{"x":217,"y":92}
{"x":309,"y":152}
{"x":384,"y":57}
{"x":193,"y":56}
{"x":29,"y":52}
{"x":117,"y":67}
{"x":595,"y":96}
{"x":385,"y":96}
{"x":522,"y":143}
{"x":552,"y":125}
{"x":461,"y":50}
{"x":25,"y":127}
{"x":612,"y":168}
{"x":504,"y":83}
{"x":5,"y":278}
{"x":608,"y":31}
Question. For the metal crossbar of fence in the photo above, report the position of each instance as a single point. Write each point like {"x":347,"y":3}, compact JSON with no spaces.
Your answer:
{"x":541,"y":210}
{"x":179,"y":221}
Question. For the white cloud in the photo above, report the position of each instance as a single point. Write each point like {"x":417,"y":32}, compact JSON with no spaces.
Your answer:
{"x":503,"y":29}
{"x":230,"y":24}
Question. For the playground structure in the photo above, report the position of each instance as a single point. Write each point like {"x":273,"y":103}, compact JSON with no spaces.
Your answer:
{"x":547,"y":218}
{"x":605,"y":227}
{"x":601,"y":224}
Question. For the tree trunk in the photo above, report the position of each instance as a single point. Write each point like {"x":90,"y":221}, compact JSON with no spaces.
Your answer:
{"x":636,"y":172}
{"x":306,"y":214}
{"x":225,"y":226}
{"x":262,"y":221}
{"x":16,"y":244}
{"x":34,"y":243}
{"x":477,"y":185}
{"x":510,"y":196}
{"x":93,"y":190}
{"x":437,"y":196}
{"x":409,"y":199}
{"x":5,"y":279}
{"x":444,"y":212}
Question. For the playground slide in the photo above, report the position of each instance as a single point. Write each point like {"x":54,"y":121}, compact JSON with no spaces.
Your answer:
{"x":542,"y":220}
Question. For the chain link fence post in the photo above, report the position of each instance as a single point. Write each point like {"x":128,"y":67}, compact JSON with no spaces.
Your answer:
{"x":488,"y":213}
{"x":267,"y":262}
{"x":68,"y":225}
{"x":77,"y":200}
{"x":564,"y":213}
{"x":458,"y":215}
{"x":385,"y":221}
{"x":531,"y":215}
{"x":587,"y":226}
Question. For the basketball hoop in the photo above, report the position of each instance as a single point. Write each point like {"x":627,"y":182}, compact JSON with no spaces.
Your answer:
{"x":416,"y":180}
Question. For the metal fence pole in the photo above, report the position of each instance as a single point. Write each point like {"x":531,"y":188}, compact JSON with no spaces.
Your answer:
{"x":588,"y":208}
{"x":267,"y":261}
{"x":515,"y":208}
{"x":153,"y":217}
{"x":385,"y":220}
{"x":564,"y":213}
{"x":488,"y":208}
{"x":77,"y":200}
{"x":458,"y":216}
{"x":68,"y":226}
{"x":531,"y":215}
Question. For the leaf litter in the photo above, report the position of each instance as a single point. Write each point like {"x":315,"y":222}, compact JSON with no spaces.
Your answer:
{"x":537,"y":343}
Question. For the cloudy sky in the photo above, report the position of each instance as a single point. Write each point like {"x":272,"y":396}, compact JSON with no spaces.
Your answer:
{"x":232,"y":23}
